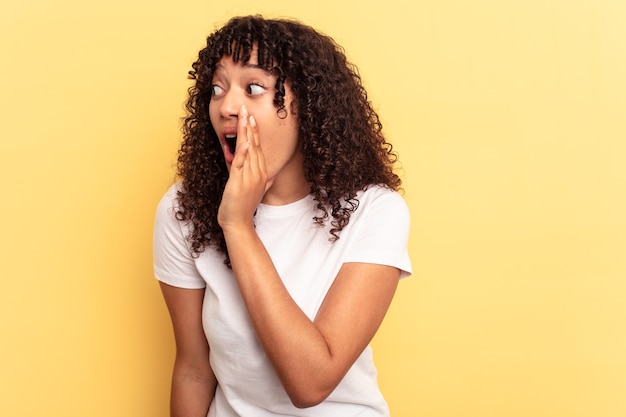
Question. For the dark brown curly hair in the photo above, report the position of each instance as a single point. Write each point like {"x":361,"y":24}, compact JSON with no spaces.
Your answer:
{"x":340,"y":134}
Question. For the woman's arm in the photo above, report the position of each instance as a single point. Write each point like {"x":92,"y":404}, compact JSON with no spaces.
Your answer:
{"x":310,"y":357}
{"x":193,"y":381}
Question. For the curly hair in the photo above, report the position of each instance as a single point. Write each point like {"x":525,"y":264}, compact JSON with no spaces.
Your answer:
{"x":340,"y":134}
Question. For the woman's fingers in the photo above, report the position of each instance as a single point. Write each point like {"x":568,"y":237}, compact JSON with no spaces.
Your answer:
{"x":242,"y":144}
{"x":258,"y":151}
{"x":253,"y":149}
{"x":248,"y":180}
{"x":255,"y":131}
{"x":249,"y":161}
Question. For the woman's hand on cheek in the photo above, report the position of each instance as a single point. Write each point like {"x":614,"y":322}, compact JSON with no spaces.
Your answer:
{"x":247,"y":182}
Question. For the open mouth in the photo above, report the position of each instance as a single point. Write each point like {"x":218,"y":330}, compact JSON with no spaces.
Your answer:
{"x":231,"y":141}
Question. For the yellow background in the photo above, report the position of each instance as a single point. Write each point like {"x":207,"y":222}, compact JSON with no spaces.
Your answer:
{"x":509,"y":117}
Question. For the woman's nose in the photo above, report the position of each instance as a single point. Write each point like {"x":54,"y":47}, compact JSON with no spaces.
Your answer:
{"x":230,"y":104}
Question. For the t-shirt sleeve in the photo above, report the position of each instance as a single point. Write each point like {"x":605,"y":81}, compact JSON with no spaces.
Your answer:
{"x":383,"y":232}
{"x":173,"y":262}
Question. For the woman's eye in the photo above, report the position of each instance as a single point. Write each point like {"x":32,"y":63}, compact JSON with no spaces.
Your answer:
{"x":216,"y":90}
{"x":255,"y":89}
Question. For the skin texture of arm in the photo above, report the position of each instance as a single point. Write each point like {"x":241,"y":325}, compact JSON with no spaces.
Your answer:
{"x":193,"y":381}
{"x":309,"y":357}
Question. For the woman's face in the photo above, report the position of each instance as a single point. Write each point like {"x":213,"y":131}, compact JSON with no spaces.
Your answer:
{"x":237,"y":84}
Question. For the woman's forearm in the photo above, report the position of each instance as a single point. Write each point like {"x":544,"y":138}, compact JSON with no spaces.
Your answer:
{"x":192,"y":392}
{"x":310,"y":357}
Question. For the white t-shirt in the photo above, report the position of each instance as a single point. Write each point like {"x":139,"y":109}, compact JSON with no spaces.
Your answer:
{"x":307,"y":262}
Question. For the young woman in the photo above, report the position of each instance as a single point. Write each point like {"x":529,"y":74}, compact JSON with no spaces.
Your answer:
{"x":280,"y":249}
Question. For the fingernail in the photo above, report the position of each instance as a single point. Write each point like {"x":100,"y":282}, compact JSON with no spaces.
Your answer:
{"x":252,"y":121}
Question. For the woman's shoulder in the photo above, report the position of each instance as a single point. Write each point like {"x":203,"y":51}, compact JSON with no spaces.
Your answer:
{"x":168,"y":205}
{"x":382,"y":202}
{"x":169,"y":199}
{"x":380,"y":194}
{"x":172,"y":192}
